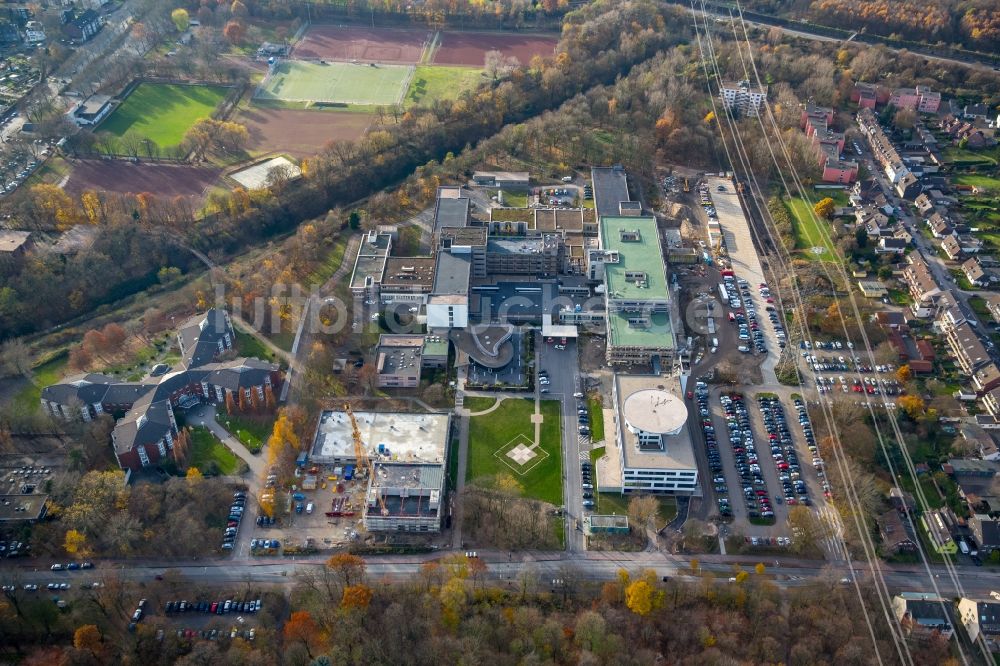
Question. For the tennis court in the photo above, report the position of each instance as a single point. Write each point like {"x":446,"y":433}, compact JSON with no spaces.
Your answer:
{"x":336,"y":82}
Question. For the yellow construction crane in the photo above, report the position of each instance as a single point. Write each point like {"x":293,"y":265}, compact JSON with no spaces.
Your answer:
{"x":362,"y":456}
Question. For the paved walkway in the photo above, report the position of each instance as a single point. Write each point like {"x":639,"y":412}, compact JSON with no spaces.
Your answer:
{"x":205,"y":415}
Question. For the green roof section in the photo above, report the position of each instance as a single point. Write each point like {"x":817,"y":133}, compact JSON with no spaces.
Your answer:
{"x":435,"y":347}
{"x":658,"y":334}
{"x":638,"y":245}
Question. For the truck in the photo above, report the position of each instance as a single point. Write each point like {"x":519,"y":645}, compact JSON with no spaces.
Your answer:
{"x":348,"y":472}
{"x":723,"y":293}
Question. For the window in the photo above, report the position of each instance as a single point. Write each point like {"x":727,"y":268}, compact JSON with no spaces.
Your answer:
{"x":143,"y":457}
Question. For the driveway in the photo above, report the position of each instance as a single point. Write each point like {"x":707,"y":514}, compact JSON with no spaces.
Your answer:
{"x":564,"y":373}
{"x":205,"y":415}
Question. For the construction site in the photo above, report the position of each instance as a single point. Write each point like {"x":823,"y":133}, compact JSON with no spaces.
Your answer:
{"x":389,"y":467}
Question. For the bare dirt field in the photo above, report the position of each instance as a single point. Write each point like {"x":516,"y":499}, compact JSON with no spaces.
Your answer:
{"x":299,"y":133}
{"x":469,"y":48}
{"x":329,"y":42}
{"x":164,"y":180}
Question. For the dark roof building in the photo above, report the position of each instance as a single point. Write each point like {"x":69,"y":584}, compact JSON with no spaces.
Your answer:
{"x":146,"y":431}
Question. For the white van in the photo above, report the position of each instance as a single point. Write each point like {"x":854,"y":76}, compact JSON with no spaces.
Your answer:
{"x":964,"y":547}
{"x":309,"y":507}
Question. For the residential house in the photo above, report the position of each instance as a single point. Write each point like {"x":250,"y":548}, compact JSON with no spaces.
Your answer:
{"x":883,"y":150}
{"x":84,"y":26}
{"x":976,"y":112}
{"x":908,"y":186}
{"x":872,"y":288}
{"x":867,"y":95}
{"x":981,"y":618}
{"x":991,"y":402}
{"x":986,"y":377}
{"x":958,"y":245}
{"x":14,"y":244}
{"x":742,"y":97}
{"x":978,"y":440}
{"x":895,"y":537}
{"x":923,"y":204}
{"x":147,"y":429}
{"x":985,"y":532}
{"x":891,"y":245}
{"x":993,"y":305}
{"x":923,"y":615}
{"x":978,"y":483}
{"x":940,"y":226}
{"x":969,"y":351}
{"x":923,"y":288}
{"x":921,"y":99}
{"x":981,"y":271}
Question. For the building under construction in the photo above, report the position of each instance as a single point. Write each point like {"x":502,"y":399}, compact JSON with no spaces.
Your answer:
{"x":403,"y":458}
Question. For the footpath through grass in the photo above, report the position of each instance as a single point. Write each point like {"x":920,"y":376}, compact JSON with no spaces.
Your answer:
{"x":492,"y":435}
{"x":808,"y":233}
{"x":210,"y":455}
{"x":162,"y":112}
{"x":252,"y":430}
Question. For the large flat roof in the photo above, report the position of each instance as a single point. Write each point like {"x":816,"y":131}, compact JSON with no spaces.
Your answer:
{"x":408,"y":438}
{"x":11,"y":240}
{"x":636,"y":239}
{"x":408,"y":272}
{"x":371,"y":260}
{"x":657,"y":334}
{"x":451,"y":273}
{"x":610,"y":189}
{"x":16,"y":508}
{"x":451,"y":213}
{"x":678,"y":451}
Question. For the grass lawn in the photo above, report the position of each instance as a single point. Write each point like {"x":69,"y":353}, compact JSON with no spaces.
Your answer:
{"x":335,"y":82}
{"x":609,"y":504}
{"x":48,"y":372}
{"x":668,"y":511}
{"x":431,"y":84}
{"x":333,"y":261}
{"x":977,"y":180}
{"x":596,"y":419}
{"x":409,"y":241}
{"x":206,"y":449}
{"x":805,"y":226}
{"x":900,"y":297}
{"x":163,"y":113}
{"x":252,"y":431}
{"x":978,"y":305}
{"x":963,"y":156}
{"x":476,"y":404}
{"x":840,"y":197}
{"x":492,"y":435}
{"x":248,"y":345}
{"x":515,"y":199}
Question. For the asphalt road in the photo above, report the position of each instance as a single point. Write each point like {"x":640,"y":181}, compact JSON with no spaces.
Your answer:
{"x":596,"y":566}
{"x":564,"y":373}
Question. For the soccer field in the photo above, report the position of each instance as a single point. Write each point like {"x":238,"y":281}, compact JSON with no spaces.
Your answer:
{"x":162,"y":112}
{"x":336,"y":82}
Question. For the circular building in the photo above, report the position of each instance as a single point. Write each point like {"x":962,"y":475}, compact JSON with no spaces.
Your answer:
{"x":652,"y":413}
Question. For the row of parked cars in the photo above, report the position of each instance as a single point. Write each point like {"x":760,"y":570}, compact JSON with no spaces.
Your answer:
{"x":214,"y":607}
{"x":807,"y":432}
{"x":741,"y":439}
{"x":712,"y":448}
{"x":72,"y":566}
{"x":786,"y":460}
{"x":235,"y":517}
{"x":586,"y":469}
{"x":215,"y":634}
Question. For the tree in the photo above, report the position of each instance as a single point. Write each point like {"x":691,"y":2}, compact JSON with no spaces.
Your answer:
{"x":181,"y":19}
{"x":234,"y":32}
{"x":348,"y":568}
{"x":193,"y":475}
{"x":642,"y":508}
{"x":639,"y":597}
{"x":76,"y":543}
{"x":904,"y":119}
{"x":356,"y":597}
{"x":15,"y":358}
{"x":88,"y":638}
{"x":904,"y":374}
{"x":824,"y":208}
{"x":913,"y":405}
{"x":302,"y":628}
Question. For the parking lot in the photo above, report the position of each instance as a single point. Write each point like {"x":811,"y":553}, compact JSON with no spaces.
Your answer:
{"x":756,"y":458}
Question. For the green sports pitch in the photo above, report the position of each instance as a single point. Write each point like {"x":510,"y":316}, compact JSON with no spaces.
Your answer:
{"x":162,"y":112}
{"x":336,"y":82}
